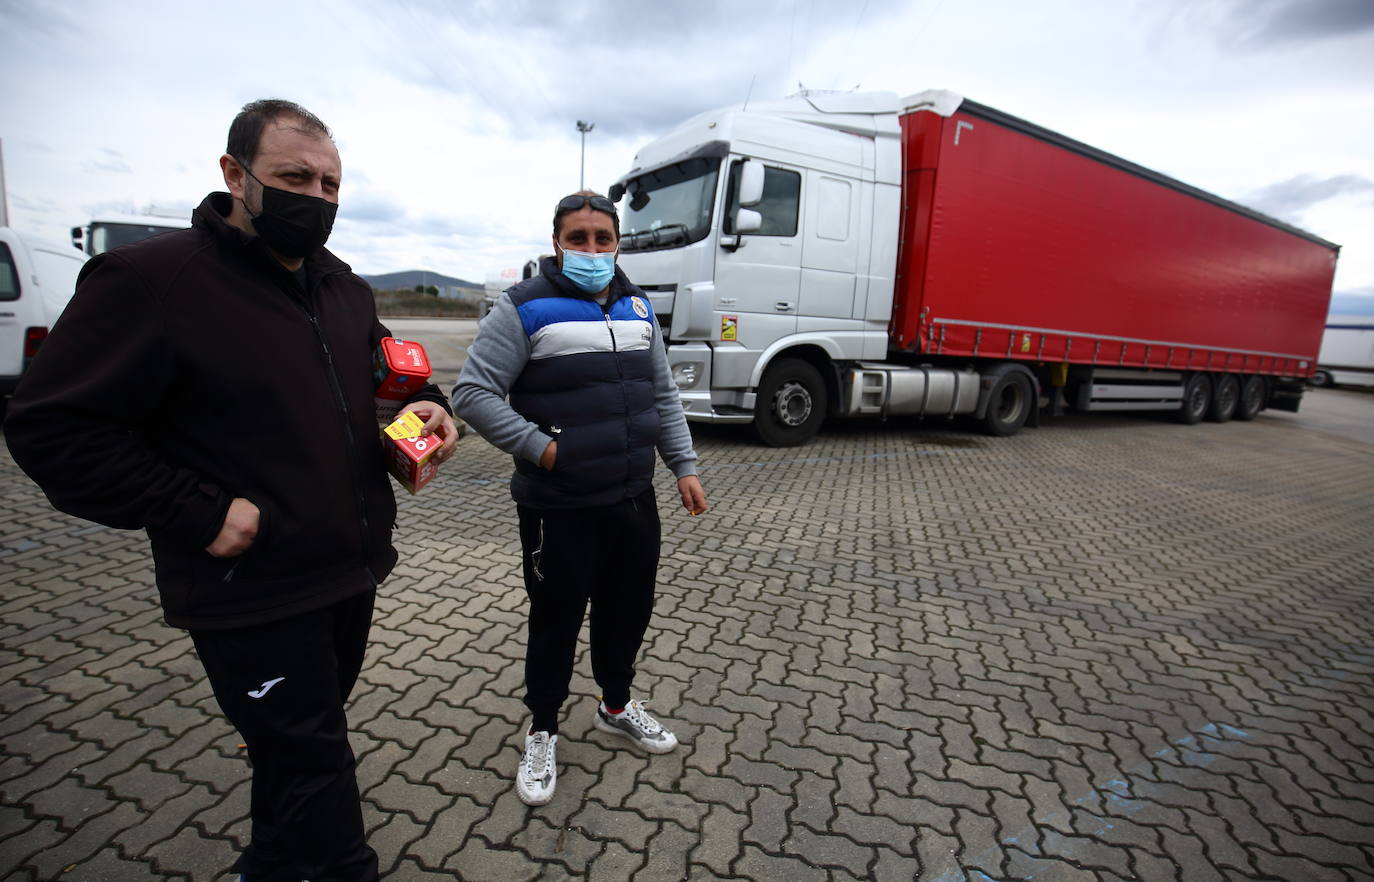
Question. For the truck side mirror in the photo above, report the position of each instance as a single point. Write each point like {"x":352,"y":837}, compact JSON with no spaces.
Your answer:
{"x":748,"y":221}
{"x":79,"y":238}
{"x":750,"y":184}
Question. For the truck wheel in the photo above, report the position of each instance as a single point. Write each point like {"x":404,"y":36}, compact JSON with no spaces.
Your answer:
{"x":1197,"y":398}
{"x":1322,"y":378}
{"x":791,"y":404}
{"x":1251,"y":398}
{"x":1009,"y":404}
{"x":1225,"y":396}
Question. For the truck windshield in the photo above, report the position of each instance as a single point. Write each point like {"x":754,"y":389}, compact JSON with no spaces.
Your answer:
{"x":105,"y":236}
{"x":670,"y":206}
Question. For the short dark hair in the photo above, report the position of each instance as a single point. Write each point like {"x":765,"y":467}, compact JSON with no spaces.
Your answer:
{"x":560,"y":211}
{"x":245,"y":132}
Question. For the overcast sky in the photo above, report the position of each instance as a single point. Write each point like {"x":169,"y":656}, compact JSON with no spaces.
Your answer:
{"x":456,"y":120}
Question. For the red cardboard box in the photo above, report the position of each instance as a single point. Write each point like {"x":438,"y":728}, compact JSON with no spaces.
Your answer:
{"x":411,"y":457}
{"x":399,"y":367}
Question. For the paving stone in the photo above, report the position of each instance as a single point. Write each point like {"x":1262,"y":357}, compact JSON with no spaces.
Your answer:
{"x":768,"y":820}
{"x":615,"y":863}
{"x":479,"y":862}
{"x":667,"y":853}
{"x":720,"y":840}
{"x":755,"y":864}
{"x":107,"y":865}
{"x":938,"y":855}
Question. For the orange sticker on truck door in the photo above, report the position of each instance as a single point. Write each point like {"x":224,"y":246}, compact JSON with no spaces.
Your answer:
{"x":729,"y":326}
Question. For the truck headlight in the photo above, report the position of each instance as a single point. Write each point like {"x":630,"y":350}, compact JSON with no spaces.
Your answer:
{"x":686,"y":373}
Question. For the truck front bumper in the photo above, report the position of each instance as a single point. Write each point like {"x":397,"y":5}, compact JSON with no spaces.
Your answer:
{"x":690,"y":364}
{"x":699,"y":407}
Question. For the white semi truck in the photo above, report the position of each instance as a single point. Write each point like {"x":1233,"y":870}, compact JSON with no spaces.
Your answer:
{"x":1347,"y":353}
{"x":849,"y":255}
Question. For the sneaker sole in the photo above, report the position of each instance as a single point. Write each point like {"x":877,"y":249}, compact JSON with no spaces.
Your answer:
{"x":612,"y":730}
{"x":532,"y":800}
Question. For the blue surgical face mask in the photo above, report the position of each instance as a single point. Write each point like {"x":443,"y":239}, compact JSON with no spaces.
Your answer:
{"x":589,"y":272}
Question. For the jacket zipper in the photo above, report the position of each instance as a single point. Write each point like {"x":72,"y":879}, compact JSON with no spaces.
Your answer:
{"x":620,"y":370}
{"x":306,"y":304}
{"x":350,"y":443}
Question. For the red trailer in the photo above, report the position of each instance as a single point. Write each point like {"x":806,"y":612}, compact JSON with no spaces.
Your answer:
{"x":1019,"y":243}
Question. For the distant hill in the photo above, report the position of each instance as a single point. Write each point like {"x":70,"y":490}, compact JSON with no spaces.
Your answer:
{"x":408,"y":279}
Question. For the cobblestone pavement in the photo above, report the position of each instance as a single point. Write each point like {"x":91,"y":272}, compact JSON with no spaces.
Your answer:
{"x":1106,"y":649}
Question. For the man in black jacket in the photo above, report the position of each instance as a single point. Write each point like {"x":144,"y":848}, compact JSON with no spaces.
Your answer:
{"x":213,"y":386}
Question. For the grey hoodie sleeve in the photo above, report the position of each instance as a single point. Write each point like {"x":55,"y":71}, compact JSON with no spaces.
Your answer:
{"x":674,"y":439}
{"x":495,"y":359}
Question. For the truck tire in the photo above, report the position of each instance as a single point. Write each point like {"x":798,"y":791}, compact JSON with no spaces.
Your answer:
{"x":1251,"y":398}
{"x":1197,"y":399}
{"x":1009,"y":404}
{"x":790,"y":406}
{"x":1322,"y":378}
{"x":1225,"y":397}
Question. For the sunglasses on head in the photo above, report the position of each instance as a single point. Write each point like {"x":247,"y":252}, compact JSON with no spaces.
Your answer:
{"x":573,"y":203}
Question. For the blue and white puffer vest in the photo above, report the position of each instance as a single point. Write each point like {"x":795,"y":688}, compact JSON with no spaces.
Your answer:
{"x":589,"y":384}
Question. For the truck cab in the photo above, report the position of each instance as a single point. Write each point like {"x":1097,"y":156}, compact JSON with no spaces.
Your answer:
{"x":767,"y":235}
{"x":111,"y":231}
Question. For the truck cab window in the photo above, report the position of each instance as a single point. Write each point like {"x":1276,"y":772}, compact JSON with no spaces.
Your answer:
{"x":780,"y":205}
{"x":9,"y":277}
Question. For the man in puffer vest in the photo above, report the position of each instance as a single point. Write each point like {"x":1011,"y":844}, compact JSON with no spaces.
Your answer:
{"x":591,"y":399}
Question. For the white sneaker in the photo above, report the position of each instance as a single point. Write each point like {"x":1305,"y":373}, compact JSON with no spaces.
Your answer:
{"x":534,"y":781}
{"x":636,"y":724}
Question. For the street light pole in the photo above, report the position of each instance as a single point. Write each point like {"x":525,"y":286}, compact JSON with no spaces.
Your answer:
{"x":584,"y":128}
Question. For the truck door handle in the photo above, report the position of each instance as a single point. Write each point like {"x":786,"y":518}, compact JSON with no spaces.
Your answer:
{"x":784,"y":305}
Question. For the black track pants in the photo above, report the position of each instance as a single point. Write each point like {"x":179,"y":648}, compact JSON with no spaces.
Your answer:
{"x":607,"y":556}
{"x":283,"y":685}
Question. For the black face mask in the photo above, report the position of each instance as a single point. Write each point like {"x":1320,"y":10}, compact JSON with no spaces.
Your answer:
{"x":292,"y":224}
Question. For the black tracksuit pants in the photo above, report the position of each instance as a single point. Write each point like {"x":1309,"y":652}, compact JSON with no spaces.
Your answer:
{"x":606,"y":556}
{"x":283,"y":685}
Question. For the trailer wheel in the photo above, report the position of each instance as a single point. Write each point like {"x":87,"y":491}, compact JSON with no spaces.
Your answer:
{"x":1197,"y":398}
{"x":790,"y":405}
{"x":1321,"y":378}
{"x":1009,"y":404}
{"x":1225,"y":397}
{"x":1251,"y":398}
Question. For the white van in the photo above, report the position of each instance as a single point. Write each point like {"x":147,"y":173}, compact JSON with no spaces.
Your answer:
{"x":37,"y":278}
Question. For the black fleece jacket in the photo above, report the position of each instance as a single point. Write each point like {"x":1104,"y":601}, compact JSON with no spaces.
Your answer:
{"x":190,"y":368}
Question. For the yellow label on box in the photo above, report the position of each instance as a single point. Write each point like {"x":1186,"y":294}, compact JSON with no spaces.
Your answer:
{"x":407,"y":425}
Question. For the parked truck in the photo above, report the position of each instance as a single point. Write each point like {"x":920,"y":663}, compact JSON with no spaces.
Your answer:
{"x":1347,"y":352}
{"x":111,"y":231}
{"x":857,"y":255}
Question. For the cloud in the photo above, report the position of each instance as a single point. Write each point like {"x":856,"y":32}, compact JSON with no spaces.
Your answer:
{"x":1290,"y":198}
{"x":35,"y":206}
{"x":47,"y":19}
{"x":1251,"y":25}
{"x":109,"y":161}
{"x":633,"y":68}
{"x":370,"y":206}
{"x":1297,"y":21}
